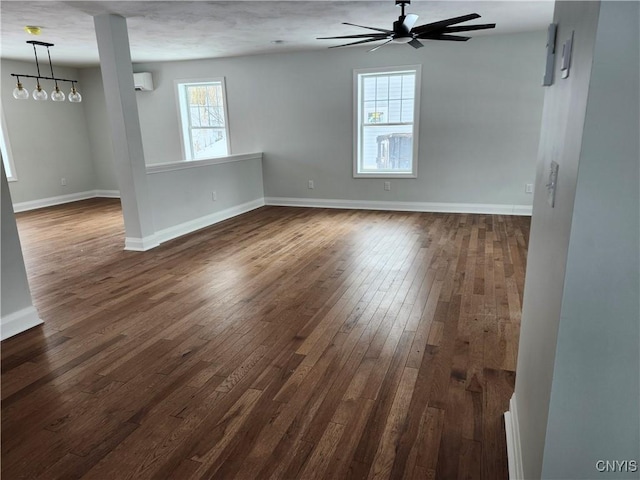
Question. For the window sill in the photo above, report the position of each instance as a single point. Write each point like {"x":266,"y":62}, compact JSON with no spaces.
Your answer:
{"x":168,"y":167}
{"x":385,"y":175}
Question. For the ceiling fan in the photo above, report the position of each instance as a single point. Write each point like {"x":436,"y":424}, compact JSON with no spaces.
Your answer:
{"x":404,"y":30}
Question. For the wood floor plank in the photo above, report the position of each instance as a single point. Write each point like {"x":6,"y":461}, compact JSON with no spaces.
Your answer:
{"x":319,"y":460}
{"x":283,"y":343}
{"x":396,"y":421}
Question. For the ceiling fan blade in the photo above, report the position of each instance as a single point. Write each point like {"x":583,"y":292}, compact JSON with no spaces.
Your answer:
{"x":364,"y":35}
{"x":378,"y":46}
{"x":370,"y":28}
{"x":409,"y":21}
{"x":415,"y":43}
{"x":468,"y":28}
{"x":436,"y":26}
{"x":453,"y":38}
{"x":356,"y":43}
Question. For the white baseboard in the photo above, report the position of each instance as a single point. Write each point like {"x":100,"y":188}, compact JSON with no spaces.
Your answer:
{"x":143,"y":244}
{"x":107,"y":193}
{"x":18,"y":322}
{"x":514,"y":450}
{"x":59,"y":200}
{"x":490,"y":209}
{"x":176,"y":231}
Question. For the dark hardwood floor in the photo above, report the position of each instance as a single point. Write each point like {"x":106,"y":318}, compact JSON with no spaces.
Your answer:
{"x":286,"y":343}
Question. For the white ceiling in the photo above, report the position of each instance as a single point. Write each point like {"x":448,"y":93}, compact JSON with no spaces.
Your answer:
{"x":183,"y":30}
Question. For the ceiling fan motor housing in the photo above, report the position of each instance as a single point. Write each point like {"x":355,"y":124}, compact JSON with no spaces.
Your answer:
{"x":400,"y":32}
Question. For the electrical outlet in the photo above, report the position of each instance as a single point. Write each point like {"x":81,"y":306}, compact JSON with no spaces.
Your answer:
{"x":528,"y":188}
{"x":214,"y":196}
{"x":387,"y":186}
{"x":311,"y":185}
{"x":63,"y":182}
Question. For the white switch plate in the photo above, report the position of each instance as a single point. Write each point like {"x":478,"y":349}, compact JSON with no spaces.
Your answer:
{"x":567,"y":48}
{"x":528,"y":188}
{"x":311,"y":185}
{"x":387,"y":186}
{"x":551,"y":55}
{"x":63,"y":181}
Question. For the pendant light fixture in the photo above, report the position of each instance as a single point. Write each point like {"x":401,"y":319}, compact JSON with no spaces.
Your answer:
{"x":40,"y":94}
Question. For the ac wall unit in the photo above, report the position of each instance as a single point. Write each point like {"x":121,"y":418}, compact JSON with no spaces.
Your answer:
{"x":143,"y":81}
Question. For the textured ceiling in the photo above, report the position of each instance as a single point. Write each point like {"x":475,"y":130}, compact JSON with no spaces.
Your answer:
{"x":182,"y":30}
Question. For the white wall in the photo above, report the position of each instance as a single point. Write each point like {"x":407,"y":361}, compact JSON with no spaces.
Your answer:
{"x":595,"y":397}
{"x":560,"y":140}
{"x":49,"y":141}
{"x":582,"y":262}
{"x":17,"y":312}
{"x":481,"y":110}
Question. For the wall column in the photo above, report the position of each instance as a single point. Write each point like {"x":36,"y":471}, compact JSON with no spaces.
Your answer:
{"x":17,"y":312}
{"x":126,"y":136}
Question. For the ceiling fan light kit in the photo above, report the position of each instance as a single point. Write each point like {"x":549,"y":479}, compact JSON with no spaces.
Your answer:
{"x":405,"y":31}
{"x":21,"y":93}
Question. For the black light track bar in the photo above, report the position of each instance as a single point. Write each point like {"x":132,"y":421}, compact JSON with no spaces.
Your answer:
{"x":44,"y":44}
{"x":18,"y":75}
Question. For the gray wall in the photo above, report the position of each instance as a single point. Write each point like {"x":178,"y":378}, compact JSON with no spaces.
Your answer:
{"x":582,"y":263}
{"x":49,"y":140}
{"x":481,"y":108}
{"x":184,"y":195}
{"x":98,"y":129}
{"x":593,"y":414}
{"x":480,"y":121}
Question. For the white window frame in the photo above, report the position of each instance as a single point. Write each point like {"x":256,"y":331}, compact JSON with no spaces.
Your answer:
{"x":183,"y":120}
{"x":358,"y":125}
{"x":7,"y":155}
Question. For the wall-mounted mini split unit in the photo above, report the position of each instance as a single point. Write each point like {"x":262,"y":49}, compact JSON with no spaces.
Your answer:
{"x":143,"y":81}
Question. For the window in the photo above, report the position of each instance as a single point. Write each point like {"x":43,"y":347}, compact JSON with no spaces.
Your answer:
{"x":5,"y":150}
{"x":203,"y":118}
{"x":386,"y":122}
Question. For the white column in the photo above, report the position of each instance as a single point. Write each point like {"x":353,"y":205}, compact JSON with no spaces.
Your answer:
{"x":122,"y":110}
{"x":17,"y":311}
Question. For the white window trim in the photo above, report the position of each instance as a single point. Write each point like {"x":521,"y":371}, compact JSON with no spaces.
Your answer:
{"x":184,"y":133}
{"x":357,"y":113}
{"x":6,"y":151}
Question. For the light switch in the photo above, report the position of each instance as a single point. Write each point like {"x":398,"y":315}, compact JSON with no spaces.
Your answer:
{"x":552,"y":184}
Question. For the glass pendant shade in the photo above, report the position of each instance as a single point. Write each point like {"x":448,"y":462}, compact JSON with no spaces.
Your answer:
{"x":75,"y":96}
{"x":39,"y":94}
{"x":20,"y":93}
{"x":57,"y":95}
